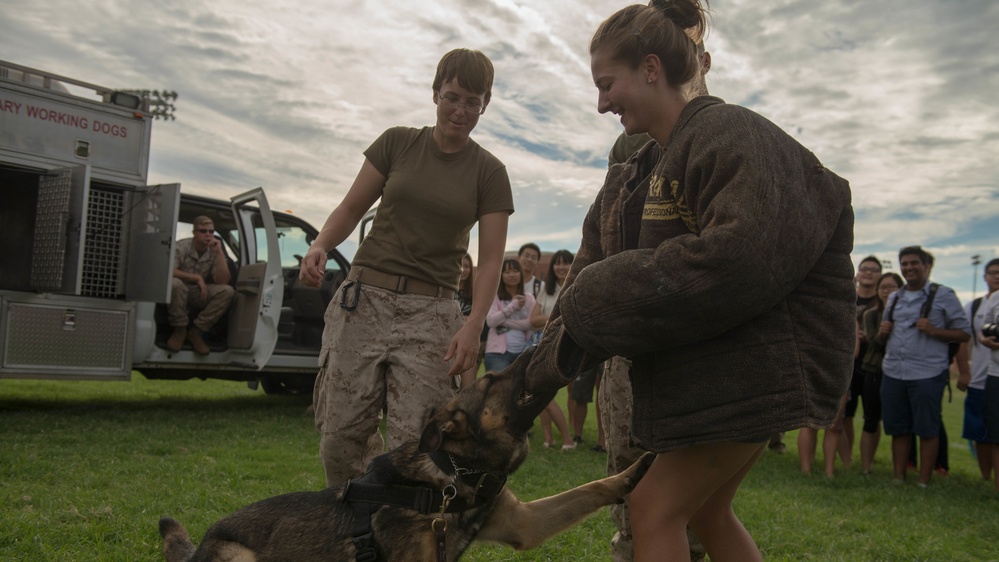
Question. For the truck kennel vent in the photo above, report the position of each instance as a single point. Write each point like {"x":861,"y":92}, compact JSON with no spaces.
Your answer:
{"x":103,"y":244}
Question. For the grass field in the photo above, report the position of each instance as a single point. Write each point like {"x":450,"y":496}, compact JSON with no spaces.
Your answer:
{"x":88,"y":468}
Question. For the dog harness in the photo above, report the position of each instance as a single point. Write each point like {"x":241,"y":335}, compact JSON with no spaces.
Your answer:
{"x":383,"y":485}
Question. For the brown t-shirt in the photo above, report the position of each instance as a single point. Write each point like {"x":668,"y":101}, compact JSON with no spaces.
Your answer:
{"x":625,"y":146}
{"x":429,"y":204}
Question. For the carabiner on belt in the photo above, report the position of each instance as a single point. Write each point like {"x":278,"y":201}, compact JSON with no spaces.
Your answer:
{"x":357,"y":295}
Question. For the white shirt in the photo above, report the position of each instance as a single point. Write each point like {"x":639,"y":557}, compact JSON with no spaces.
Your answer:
{"x":529,"y":286}
{"x":980,"y":355}
{"x":991,"y":315}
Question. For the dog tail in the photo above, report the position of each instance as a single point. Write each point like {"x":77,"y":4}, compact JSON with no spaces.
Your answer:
{"x":177,"y":545}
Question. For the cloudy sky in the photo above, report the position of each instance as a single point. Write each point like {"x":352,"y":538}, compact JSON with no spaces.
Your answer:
{"x":897,"y":96}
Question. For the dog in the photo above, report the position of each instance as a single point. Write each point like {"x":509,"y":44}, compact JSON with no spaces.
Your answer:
{"x":426,"y":500}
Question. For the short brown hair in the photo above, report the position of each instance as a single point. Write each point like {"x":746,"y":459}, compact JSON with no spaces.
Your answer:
{"x":202,"y":220}
{"x":472,"y":69}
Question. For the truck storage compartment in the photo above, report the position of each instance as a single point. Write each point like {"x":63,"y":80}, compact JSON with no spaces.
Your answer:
{"x":66,"y":337}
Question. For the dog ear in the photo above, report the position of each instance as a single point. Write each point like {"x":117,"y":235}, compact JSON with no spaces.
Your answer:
{"x":431,"y":439}
{"x":434,"y":433}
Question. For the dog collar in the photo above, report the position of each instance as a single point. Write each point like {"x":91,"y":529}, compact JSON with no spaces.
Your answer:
{"x":484,"y":484}
{"x":382,"y":485}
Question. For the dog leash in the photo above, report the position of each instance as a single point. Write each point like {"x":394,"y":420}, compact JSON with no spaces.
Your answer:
{"x":439,"y":524}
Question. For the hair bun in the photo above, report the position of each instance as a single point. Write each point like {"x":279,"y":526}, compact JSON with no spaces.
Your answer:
{"x":664,"y":6}
{"x":684,"y":13}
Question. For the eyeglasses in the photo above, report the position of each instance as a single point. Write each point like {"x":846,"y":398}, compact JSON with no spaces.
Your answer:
{"x":453,"y":102}
{"x":205,"y":230}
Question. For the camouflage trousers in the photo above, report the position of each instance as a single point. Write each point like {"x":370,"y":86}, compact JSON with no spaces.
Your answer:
{"x":387,"y":353}
{"x":614,"y":397}
{"x":185,"y":297}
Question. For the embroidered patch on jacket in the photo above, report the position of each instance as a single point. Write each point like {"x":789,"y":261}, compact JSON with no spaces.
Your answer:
{"x":664,"y":206}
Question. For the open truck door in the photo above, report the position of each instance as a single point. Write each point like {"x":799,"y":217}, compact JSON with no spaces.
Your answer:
{"x":256,"y":307}
{"x":150,"y":251}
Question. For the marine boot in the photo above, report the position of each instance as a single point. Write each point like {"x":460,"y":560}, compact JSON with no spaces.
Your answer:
{"x":176,"y":340}
{"x":199,"y":345}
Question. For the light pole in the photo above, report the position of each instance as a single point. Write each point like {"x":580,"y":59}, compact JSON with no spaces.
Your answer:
{"x":975,"y":260}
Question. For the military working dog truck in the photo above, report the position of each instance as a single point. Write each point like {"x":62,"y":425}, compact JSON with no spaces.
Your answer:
{"x":87,"y":251}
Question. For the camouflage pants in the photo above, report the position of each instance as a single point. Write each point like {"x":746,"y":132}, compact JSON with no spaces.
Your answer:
{"x":388,"y":352}
{"x":185,"y":297}
{"x":614,"y":397}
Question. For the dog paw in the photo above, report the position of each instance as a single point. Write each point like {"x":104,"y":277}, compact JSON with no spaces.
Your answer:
{"x":638,"y":470}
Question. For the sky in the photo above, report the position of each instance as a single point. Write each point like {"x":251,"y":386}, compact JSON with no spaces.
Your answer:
{"x":897,"y":96}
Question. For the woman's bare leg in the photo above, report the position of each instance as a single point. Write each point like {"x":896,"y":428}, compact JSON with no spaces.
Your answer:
{"x":693,"y":485}
{"x":570,"y":406}
{"x":546,"y":427}
{"x":846,"y":442}
{"x":868,"y":446}
{"x":983,"y":452}
{"x":558,"y":418}
{"x":807,"y":441}
{"x":831,"y":439}
{"x":995,"y":465}
{"x":832,"y":442}
{"x":728,"y":540}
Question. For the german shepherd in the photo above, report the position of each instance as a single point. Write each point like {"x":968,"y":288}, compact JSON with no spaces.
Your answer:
{"x":464,"y":454}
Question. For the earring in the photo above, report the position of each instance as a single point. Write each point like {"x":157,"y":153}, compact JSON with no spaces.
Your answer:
{"x":650,"y":80}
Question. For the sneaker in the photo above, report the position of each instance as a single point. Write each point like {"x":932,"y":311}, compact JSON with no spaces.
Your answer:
{"x":176,"y":340}
{"x":778,"y":447}
{"x":577,"y":439}
{"x":942,"y":471}
{"x":598,"y":448}
{"x":197,"y":342}
{"x":568,"y":447}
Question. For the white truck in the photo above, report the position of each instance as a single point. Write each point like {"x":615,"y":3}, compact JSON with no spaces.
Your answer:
{"x":86,"y":251}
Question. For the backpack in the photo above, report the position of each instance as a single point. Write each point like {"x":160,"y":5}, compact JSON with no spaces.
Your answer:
{"x":974,"y":308}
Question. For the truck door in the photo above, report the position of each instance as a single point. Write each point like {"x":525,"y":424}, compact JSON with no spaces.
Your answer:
{"x":154,"y":211}
{"x":57,"y":264}
{"x":256,"y":308}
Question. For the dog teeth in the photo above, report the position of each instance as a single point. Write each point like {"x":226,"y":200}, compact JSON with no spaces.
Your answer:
{"x":525,"y":398}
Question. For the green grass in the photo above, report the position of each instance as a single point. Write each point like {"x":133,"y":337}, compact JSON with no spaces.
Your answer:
{"x":87,"y":469}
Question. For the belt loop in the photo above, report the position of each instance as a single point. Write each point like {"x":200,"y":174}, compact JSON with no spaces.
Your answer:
{"x":401,"y":286}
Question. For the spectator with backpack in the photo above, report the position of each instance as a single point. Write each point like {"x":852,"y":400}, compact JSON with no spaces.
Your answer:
{"x":981,"y":355}
{"x":990,"y":339}
{"x":921,"y":320}
{"x":529,"y":255}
